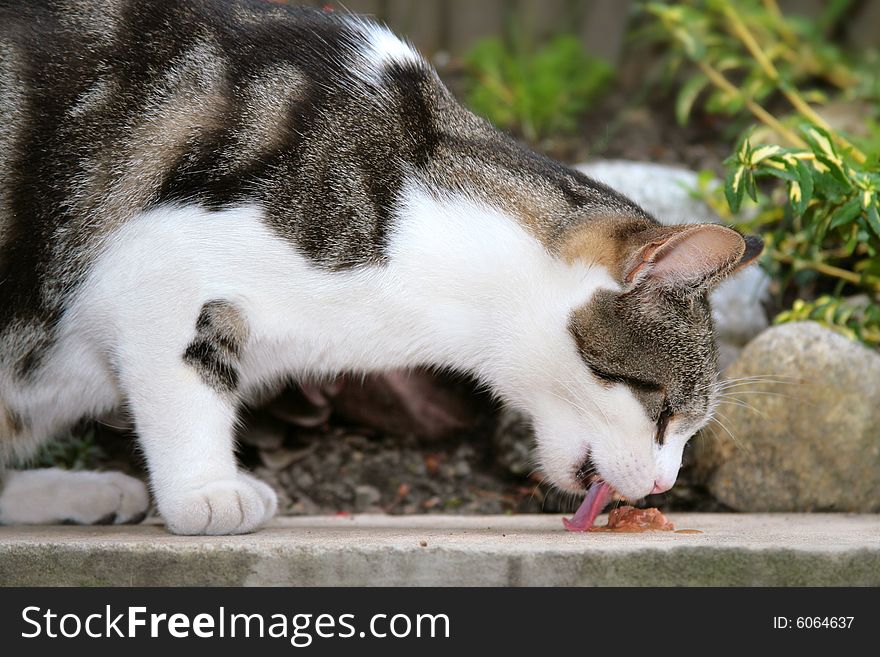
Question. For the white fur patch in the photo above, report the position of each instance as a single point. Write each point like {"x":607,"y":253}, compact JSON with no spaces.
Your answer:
{"x":383,"y":48}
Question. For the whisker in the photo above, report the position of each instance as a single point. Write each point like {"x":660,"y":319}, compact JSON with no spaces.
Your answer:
{"x":777,"y":377}
{"x":739,"y":402}
{"x":576,"y":404}
{"x":729,"y":433}
{"x":761,"y":392}
{"x":738,"y":383}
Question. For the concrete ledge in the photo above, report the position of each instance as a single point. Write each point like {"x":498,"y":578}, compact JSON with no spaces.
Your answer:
{"x":533,"y":550}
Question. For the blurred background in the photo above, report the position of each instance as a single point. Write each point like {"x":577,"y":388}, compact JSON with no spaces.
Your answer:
{"x":760,"y":114}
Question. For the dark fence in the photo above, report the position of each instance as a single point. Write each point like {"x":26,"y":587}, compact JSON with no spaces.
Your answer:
{"x":452,"y":26}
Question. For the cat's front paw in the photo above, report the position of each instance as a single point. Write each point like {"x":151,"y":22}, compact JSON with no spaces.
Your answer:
{"x":52,"y":495}
{"x":227,"y":506}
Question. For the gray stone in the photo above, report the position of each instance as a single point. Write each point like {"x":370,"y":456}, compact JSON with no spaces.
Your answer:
{"x":661,"y":189}
{"x":513,"y":442}
{"x":808,"y":436}
{"x":664,"y":192}
{"x":738,"y":306}
{"x":727,"y":355}
{"x":304,"y":480}
{"x":366,"y":497}
{"x":528,"y":550}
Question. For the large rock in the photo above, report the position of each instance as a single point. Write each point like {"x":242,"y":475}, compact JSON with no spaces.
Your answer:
{"x":663,"y":191}
{"x":811,"y":439}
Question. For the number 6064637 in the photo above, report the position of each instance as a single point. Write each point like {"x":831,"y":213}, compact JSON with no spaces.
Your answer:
{"x":832,"y":622}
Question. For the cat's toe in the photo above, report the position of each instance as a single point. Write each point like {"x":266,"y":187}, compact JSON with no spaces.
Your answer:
{"x":230,"y":506}
{"x":105,"y":498}
{"x":133,"y":498}
{"x":269,"y":497}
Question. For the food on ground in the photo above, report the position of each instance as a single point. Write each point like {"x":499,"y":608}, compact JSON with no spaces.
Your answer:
{"x":631,"y":519}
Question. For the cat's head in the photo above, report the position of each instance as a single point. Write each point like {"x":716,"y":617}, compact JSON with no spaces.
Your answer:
{"x":635,"y":376}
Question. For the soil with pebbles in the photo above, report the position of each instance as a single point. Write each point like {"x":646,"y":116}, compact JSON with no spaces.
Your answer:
{"x":343,"y":471}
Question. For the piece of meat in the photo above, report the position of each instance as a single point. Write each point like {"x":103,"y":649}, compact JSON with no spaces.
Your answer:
{"x":631,"y":519}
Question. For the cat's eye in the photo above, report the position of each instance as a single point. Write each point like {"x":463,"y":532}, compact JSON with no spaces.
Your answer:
{"x":633,"y":382}
{"x":663,"y":423}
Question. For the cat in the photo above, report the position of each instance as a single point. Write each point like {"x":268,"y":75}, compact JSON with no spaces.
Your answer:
{"x":200,"y":199}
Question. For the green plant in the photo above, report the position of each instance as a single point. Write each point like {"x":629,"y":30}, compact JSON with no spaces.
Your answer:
{"x":815,"y":192}
{"x":534,"y":92}
{"x":746,"y":52}
{"x":76,"y":450}
{"x":854,"y":318}
{"x":828,"y":223}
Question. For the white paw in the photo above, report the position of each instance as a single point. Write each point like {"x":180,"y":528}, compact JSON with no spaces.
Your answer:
{"x":86,"y":498}
{"x":227,"y":506}
{"x":132,"y":498}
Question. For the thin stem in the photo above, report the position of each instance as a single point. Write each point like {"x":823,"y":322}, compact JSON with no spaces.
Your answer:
{"x":760,"y":113}
{"x":827,"y":270}
{"x":742,"y":32}
{"x":781,"y":25}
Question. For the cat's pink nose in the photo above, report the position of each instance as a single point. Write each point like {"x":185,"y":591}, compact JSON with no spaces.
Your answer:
{"x":660,"y":487}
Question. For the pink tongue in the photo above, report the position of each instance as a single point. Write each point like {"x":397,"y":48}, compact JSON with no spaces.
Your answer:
{"x":596,"y":499}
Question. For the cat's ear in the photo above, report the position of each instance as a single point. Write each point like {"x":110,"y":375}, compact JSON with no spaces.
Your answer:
{"x":754,"y":248}
{"x":694,"y":257}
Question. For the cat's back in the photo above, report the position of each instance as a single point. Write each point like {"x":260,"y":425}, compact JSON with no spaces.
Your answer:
{"x":111,"y":107}
{"x":93,"y":91}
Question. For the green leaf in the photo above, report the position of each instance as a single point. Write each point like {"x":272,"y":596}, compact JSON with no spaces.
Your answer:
{"x":873,"y":218}
{"x":693,"y":47}
{"x":734,"y":186}
{"x":751,"y":188}
{"x":763,"y":152}
{"x":823,"y":147}
{"x":776,"y":165}
{"x":847,"y":212}
{"x":805,"y":179}
{"x":784,"y":174}
{"x":684,"y":102}
{"x":535,"y":92}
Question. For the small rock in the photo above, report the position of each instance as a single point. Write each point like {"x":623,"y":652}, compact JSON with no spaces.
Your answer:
{"x":513,"y":442}
{"x":304,"y":480}
{"x":365,"y":497}
{"x":279,"y":459}
{"x":810,"y":441}
{"x":303,"y":506}
{"x":263,"y":435}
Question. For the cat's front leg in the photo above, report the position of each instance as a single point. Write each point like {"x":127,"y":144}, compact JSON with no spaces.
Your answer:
{"x":184,"y":406}
{"x":186,"y":430}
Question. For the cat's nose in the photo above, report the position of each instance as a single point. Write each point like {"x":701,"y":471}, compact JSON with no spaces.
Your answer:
{"x":661,"y":486}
